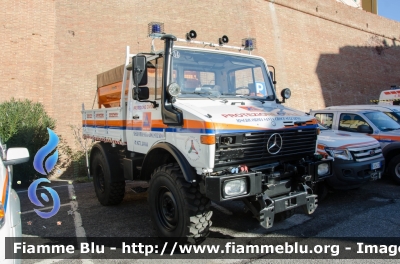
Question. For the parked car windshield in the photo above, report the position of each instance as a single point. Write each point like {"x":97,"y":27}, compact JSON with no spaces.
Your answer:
{"x":320,"y":126}
{"x":208,"y":74}
{"x":382,"y":121}
{"x":394,"y":115}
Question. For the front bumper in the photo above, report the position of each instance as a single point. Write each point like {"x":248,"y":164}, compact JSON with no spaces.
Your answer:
{"x":303,"y":198}
{"x":350,"y":174}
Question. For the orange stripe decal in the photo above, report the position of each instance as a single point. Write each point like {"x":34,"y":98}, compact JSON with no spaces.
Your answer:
{"x":187,"y":124}
{"x":3,"y":198}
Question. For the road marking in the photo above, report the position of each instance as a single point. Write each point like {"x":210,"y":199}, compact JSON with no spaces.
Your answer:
{"x":221,"y":209}
{"x":79,"y":230}
{"x":44,"y":188}
{"x":44,"y":208}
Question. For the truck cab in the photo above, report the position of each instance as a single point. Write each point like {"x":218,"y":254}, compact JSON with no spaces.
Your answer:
{"x":389,"y":97}
{"x":201,"y":125}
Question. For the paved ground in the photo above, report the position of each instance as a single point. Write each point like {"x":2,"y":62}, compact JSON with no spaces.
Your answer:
{"x":370,"y":211}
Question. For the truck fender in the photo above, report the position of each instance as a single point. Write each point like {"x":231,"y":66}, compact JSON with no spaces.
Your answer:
{"x":391,"y":150}
{"x":164,"y":153}
{"x":112,"y":160}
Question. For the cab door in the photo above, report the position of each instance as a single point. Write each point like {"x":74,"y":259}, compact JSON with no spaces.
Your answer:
{"x":144,"y":121}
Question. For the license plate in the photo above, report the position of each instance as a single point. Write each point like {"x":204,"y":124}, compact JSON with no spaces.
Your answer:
{"x":375,"y":165}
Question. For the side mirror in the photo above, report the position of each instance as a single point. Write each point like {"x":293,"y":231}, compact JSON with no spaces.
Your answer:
{"x":364,"y":129}
{"x":143,"y":93}
{"x":139,"y":70}
{"x":16,"y":156}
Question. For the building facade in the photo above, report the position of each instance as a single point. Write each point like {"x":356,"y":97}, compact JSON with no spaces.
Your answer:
{"x":353,"y":3}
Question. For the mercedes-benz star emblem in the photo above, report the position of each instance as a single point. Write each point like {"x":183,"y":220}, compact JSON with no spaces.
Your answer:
{"x":274,"y":144}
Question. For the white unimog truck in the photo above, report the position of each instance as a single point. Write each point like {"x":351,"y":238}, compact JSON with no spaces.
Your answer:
{"x":201,"y":124}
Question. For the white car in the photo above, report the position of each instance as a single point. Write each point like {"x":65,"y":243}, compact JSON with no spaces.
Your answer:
{"x":393,"y":111}
{"x":10,"y":218}
{"x":358,"y":158}
{"x":369,"y":122}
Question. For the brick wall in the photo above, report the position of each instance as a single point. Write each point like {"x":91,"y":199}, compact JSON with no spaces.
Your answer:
{"x":326,"y":52}
{"x":27,"y":30}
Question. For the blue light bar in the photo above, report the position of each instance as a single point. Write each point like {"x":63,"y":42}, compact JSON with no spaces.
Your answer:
{"x":155,"y":28}
{"x":249,"y":43}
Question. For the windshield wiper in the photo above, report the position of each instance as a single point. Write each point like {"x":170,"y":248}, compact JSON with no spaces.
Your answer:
{"x":232,"y":94}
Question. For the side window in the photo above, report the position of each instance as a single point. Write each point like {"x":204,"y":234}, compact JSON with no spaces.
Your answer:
{"x":159,"y":76}
{"x":353,"y":123}
{"x":325,"y":119}
{"x":151,"y":79}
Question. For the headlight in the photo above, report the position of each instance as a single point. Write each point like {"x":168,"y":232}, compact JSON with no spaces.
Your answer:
{"x":2,"y":215}
{"x":343,"y":154}
{"x":235,"y":187}
{"x":323,"y":169}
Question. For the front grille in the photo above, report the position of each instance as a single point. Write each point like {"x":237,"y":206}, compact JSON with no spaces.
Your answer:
{"x":366,"y":153}
{"x":252,"y":146}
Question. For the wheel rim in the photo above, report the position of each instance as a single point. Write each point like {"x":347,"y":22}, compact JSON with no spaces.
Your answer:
{"x":167,"y":210}
{"x":397,"y":170}
{"x":99,"y":179}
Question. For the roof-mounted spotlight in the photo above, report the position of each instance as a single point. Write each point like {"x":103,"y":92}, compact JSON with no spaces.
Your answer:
{"x":155,"y":29}
{"x":191,"y":35}
{"x":249,"y":43}
{"x":223,"y":40}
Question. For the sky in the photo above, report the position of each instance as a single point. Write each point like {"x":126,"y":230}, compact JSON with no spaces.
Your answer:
{"x":389,"y":9}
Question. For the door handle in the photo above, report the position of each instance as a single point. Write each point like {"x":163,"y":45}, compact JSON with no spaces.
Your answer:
{"x":135,"y":117}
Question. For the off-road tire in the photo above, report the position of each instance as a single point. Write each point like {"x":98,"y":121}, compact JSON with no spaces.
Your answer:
{"x":108,"y":191}
{"x":394,"y":169}
{"x":178,"y":209}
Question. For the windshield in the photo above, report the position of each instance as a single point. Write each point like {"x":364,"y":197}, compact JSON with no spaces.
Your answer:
{"x":394,"y":115}
{"x":205,"y":74}
{"x":382,"y":121}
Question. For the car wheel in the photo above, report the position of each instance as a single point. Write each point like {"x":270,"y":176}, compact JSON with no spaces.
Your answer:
{"x":394,"y":169}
